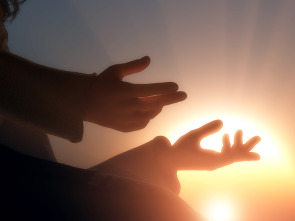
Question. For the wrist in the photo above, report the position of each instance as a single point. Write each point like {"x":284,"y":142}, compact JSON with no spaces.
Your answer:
{"x":86,"y":115}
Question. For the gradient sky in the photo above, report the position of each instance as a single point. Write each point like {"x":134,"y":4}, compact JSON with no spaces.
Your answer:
{"x":234,"y":58}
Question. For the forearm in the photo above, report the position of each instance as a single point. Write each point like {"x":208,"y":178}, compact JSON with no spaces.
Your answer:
{"x":47,"y":98}
{"x":144,"y":163}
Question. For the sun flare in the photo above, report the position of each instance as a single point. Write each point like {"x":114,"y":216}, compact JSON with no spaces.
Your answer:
{"x":220,"y":195}
{"x":220,"y":209}
{"x":267,"y":147}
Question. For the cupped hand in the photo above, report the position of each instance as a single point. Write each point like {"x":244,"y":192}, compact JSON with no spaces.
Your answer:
{"x":124,"y":106}
{"x":187,"y":153}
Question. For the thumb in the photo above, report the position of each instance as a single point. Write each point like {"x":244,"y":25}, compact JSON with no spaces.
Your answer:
{"x":132,"y":67}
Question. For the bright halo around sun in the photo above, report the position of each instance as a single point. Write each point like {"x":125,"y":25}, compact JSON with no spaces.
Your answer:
{"x":220,"y":209}
{"x":267,"y":147}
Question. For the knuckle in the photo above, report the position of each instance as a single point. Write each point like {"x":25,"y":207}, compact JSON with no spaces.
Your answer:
{"x":158,"y":110}
{"x":125,"y":129}
{"x":212,"y":168}
{"x":129,"y":89}
{"x":114,"y":68}
{"x":162,"y":140}
{"x":154,"y":113}
{"x":133,"y":127}
{"x":142,"y":124}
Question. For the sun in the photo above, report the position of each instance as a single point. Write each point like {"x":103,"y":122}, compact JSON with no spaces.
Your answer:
{"x":267,"y":148}
{"x":220,"y":209}
{"x":219,"y":195}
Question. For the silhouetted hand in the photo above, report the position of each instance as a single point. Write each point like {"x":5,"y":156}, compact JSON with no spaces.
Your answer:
{"x":125,"y":106}
{"x":187,"y":153}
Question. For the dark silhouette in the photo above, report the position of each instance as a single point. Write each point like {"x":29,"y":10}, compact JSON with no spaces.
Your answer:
{"x":124,"y":106}
{"x":140,"y":184}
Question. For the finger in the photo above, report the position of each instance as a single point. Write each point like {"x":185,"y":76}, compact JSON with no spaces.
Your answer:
{"x":250,"y":144}
{"x":150,"y":114}
{"x":162,"y":100}
{"x":155,"y":113}
{"x":226,"y":143}
{"x":238,"y":140}
{"x":205,"y":130}
{"x":144,"y":90}
{"x":249,"y":156}
{"x":161,"y":141}
{"x":132,"y":67}
{"x":133,"y":126}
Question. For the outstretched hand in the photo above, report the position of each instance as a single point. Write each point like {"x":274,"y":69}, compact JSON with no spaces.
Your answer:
{"x":125,"y":106}
{"x":187,"y":153}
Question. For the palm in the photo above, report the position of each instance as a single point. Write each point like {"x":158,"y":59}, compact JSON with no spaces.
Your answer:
{"x":188,"y":154}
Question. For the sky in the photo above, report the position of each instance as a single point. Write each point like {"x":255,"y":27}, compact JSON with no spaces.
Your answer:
{"x":234,"y":59}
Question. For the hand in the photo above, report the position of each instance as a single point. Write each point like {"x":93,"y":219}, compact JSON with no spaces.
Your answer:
{"x":239,"y":151}
{"x":187,"y":153}
{"x":125,"y":106}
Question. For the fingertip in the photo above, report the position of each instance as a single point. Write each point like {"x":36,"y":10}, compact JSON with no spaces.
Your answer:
{"x":239,"y":133}
{"x":182,"y":95}
{"x":162,"y":140}
{"x":225,"y":136}
{"x":218,"y":123}
{"x":258,"y":139}
{"x":172,"y":86}
{"x":254,"y":156}
{"x":146,"y":59}
{"x":257,"y":157}
{"x":226,"y":143}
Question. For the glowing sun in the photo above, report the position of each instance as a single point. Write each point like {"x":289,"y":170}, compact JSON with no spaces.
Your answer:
{"x":267,"y":148}
{"x":220,"y":210}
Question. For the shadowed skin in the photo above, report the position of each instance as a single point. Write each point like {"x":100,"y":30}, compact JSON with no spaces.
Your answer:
{"x":156,"y":164}
{"x":125,"y":106}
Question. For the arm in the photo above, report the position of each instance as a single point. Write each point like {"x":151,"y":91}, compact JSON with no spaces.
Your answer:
{"x":157,"y":161}
{"x":47,"y":98}
{"x":59,"y":101}
{"x":143,"y":163}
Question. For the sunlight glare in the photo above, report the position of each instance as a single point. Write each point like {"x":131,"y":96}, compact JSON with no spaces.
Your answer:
{"x":220,"y":210}
{"x":267,"y":147}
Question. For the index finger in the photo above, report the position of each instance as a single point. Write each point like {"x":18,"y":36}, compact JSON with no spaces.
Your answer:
{"x":157,"y":101}
{"x":146,"y":90}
